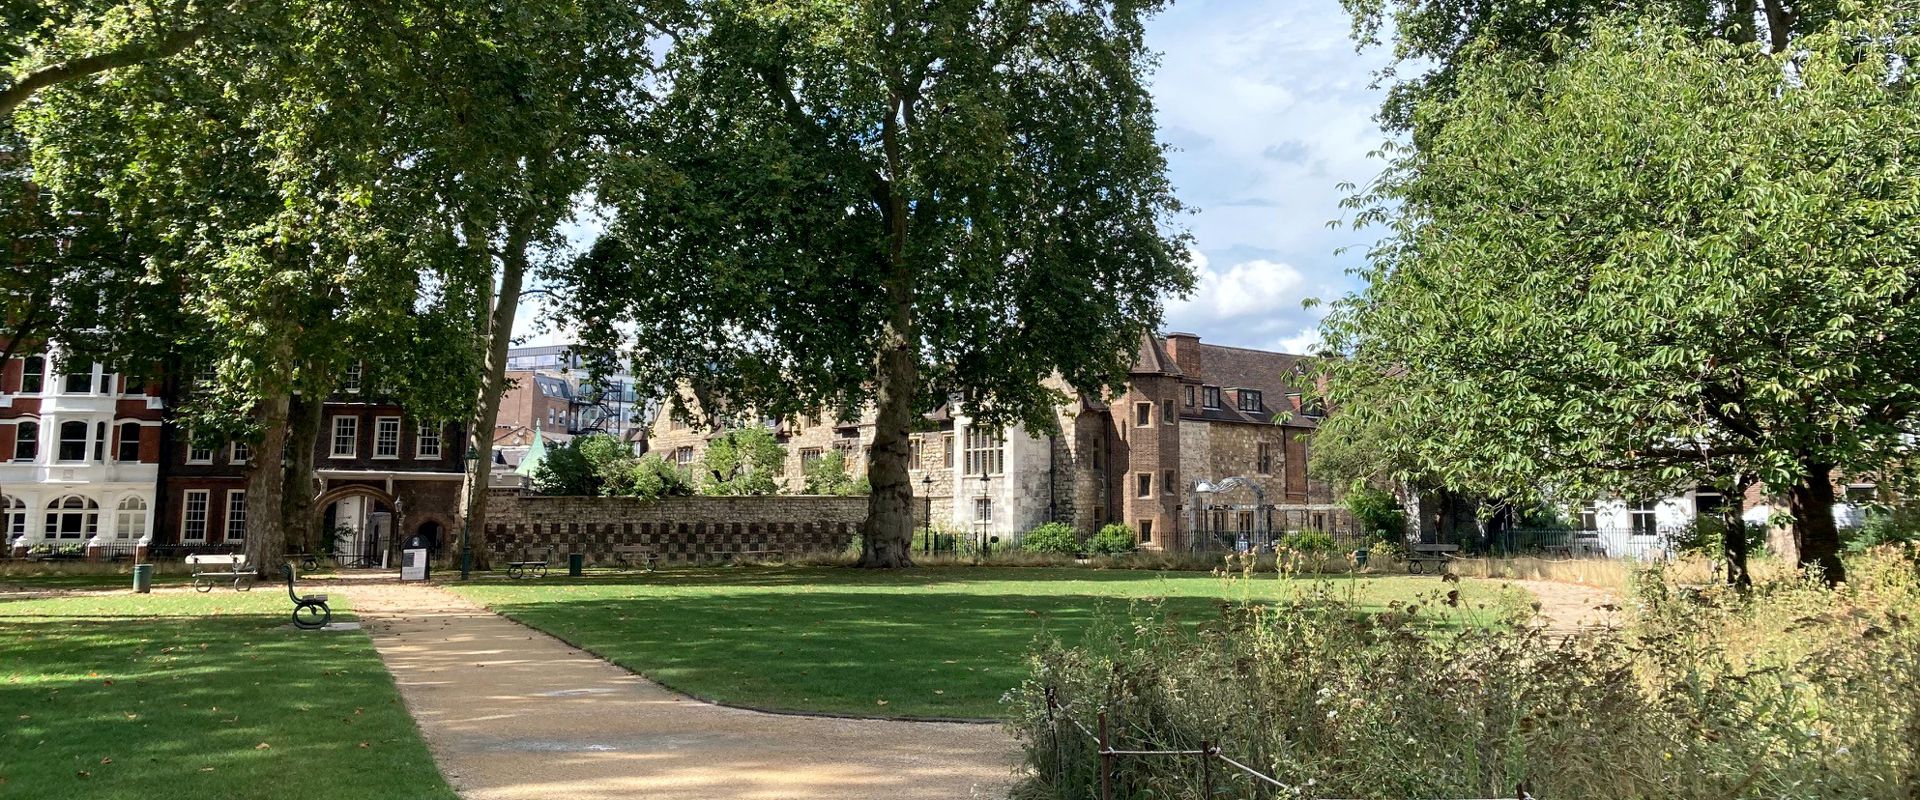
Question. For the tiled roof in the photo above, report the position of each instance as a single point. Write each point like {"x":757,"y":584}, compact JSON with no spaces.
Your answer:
{"x":1152,"y":358}
{"x":1264,"y":371}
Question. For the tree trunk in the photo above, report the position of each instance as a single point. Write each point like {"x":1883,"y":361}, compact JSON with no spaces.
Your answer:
{"x":298,"y":515}
{"x":497,"y":333}
{"x":1814,"y":532}
{"x":887,"y":535}
{"x":266,"y":543}
{"x":1734,"y":540}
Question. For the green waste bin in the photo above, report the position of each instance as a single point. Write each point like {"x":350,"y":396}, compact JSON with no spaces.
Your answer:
{"x":142,"y":578}
{"x":575,"y":562}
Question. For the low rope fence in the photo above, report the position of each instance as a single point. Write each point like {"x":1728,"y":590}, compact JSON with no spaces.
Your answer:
{"x":1209,"y":751}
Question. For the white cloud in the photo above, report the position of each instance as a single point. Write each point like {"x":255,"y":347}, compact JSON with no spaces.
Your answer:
{"x":1256,"y":303}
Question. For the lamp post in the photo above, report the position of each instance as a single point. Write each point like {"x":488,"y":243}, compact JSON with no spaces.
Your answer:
{"x":986,"y":486}
{"x":926,"y":526}
{"x":466,"y":520}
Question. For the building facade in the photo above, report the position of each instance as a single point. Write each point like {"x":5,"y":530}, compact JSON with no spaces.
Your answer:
{"x":81,"y":448}
{"x":1192,"y":417}
{"x":555,"y":395}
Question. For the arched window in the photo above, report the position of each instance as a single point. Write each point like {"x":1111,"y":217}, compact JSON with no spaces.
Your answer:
{"x":13,"y":517}
{"x":26,"y":441}
{"x":73,"y":441}
{"x":73,"y":517}
{"x":130,"y":519}
{"x":33,"y":375}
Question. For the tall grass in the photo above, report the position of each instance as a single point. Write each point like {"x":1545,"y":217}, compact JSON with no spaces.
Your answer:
{"x":1792,"y":691}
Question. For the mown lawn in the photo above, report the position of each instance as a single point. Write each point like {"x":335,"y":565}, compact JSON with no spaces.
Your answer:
{"x":183,"y":695}
{"x":929,"y":642}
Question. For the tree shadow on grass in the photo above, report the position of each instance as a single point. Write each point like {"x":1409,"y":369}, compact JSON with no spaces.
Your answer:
{"x":198,"y":706}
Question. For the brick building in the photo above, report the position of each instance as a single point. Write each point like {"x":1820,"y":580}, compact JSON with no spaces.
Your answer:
{"x":1192,"y":415}
{"x":79,"y":455}
{"x":554,"y":394}
{"x":384,"y":475}
{"x":86,"y":453}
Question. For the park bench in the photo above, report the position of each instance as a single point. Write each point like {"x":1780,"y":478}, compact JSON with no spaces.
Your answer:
{"x":208,"y":568}
{"x":529,"y":568}
{"x":626,"y":556}
{"x":738,"y":556}
{"x":1426,"y":557}
{"x":310,"y":611}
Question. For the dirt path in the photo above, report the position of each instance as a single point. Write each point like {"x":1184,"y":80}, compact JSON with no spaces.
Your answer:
{"x":1570,"y":607}
{"x":513,"y":713}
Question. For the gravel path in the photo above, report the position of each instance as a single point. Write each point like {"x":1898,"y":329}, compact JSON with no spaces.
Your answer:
{"x":513,"y":713}
{"x":1570,"y":607}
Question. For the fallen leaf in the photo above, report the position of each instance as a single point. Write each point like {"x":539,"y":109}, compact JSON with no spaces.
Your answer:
{"x":363,"y":745}
{"x":883,"y":702}
{"x":84,"y":774}
{"x":262,"y":746}
{"x":106,"y":761}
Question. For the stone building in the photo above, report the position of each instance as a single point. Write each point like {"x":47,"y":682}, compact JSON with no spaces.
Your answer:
{"x":1192,"y":415}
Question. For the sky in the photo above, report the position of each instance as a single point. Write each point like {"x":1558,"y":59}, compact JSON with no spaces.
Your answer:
{"x":1268,"y":110}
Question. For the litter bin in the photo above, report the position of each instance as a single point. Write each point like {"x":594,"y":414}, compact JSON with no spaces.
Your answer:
{"x":575,"y":562}
{"x":142,"y":578}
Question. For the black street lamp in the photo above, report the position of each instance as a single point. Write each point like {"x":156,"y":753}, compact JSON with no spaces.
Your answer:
{"x":926,"y":526}
{"x":466,"y":520}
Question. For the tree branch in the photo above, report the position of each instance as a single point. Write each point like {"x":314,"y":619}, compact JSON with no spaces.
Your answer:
{"x":124,"y":56}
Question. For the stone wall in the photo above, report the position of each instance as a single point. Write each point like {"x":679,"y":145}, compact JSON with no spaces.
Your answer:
{"x":682,"y":530}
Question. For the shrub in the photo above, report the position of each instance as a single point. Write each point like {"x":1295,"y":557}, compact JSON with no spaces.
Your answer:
{"x":1894,"y":525}
{"x":1113,"y":539}
{"x":742,"y":461}
{"x":1376,"y":510}
{"x":1706,"y":536}
{"x":1056,"y":538}
{"x":829,"y":475}
{"x":1307,"y":542}
{"x":1794,"y":690}
{"x":653,"y":477}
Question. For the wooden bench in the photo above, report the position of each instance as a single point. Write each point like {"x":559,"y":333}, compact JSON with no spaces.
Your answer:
{"x":310,"y":611}
{"x":1429,"y":557}
{"x":206,"y":568}
{"x":625,"y":555}
{"x":530,"y":568}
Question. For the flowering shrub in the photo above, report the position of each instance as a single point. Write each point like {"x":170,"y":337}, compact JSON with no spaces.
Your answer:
{"x":1794,"y":690}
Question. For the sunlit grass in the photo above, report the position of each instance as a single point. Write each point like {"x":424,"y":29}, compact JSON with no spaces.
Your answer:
{"x":931,"y":642}
{"x":181,"y":695}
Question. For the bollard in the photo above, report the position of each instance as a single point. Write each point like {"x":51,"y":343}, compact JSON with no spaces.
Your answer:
{"x":142,"y":578}
{"x":575,"y":562}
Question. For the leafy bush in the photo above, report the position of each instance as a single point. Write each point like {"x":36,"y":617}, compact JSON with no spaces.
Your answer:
{"x":1376,"y":510}
{"x":829,"y":475}
{"x":1114,"y":539}
{"x":1056,"y":538}
{"x":1896,"y":525}
{"x":1794,"y":690}
{"x":742,"y":461}
{"x":591,"y":465}
{"x":1307,"y":542}
{"x":1706,"y":536}
{"x":653,"y":477}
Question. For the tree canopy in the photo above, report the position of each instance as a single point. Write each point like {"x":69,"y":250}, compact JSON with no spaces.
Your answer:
{"x":853,"y":201}
{"x":1651,"y":261}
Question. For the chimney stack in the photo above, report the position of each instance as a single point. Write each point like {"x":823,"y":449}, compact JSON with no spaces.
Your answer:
{"x":1184,"y":349}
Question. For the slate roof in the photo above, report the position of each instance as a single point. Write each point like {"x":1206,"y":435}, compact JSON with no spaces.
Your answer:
{"x":1264,"y":371}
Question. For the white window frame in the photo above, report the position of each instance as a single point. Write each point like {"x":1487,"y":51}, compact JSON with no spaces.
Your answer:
{"x":1649,"y":509}
{"x":1142,"y":491}
{"x":983,"y":510}
{"x":123,"y":518}
{"x":193,"y":451}
{"x":354,"y":374}
{"x":239,"y":452}
{"x":60,"y":442}
{"x":1143,"y":414}
{"x":986,"y":452}
{"x":333,"y":437}
{"x":241,"y":496}
{"x":186,"y":514}
{"x":425,"y":432}
{"x":380,"y":430}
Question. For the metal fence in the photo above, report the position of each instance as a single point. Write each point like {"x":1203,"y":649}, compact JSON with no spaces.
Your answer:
{"x":1211,"y":770}
{"x":1646,"y":544}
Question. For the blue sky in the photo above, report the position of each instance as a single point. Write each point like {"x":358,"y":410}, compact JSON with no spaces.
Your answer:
{"x":1268,"y":109}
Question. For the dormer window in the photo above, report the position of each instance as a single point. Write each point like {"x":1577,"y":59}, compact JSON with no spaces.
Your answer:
{"x":1210,"y":396}
{"x":1249,"y":400}
{"x":351,"y":382}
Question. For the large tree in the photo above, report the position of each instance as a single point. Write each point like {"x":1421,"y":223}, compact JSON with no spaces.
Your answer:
{"x":854,"y":202}
{"x":1650,"y":260}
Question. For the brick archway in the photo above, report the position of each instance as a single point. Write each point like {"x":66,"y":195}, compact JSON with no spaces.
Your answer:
{"x":330,"y":496}
{"x":365,"y":548}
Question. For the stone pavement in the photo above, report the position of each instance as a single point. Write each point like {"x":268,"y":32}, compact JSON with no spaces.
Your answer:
{"x":511,"y":714}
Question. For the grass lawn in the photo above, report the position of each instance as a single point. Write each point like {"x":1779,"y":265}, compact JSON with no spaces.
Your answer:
{"x":929,"y":642}
{"x":185,"y":695}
